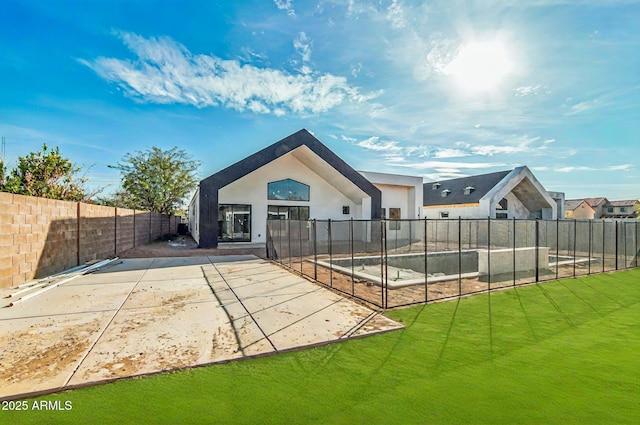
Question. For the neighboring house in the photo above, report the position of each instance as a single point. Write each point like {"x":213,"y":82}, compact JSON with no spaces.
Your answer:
{"x":578,"y":209}
{"x":295,"y":178}
{"x":598,"y":205}
{"x":622,"y":209}
{"x":507,"y":194}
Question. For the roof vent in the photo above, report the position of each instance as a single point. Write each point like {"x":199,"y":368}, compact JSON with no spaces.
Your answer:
{"x":469,"y":189}
{"x":436,"y":186}
{"x":445,"y":193}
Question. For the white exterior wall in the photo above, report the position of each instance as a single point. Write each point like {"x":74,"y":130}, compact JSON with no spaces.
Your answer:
{"x":477,"y":211}
{"x":194,"y":216}
{"x":325,"y":200}
{"x":398,"y":191}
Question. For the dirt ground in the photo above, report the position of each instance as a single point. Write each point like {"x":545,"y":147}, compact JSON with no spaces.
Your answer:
{"x":185,"y":246}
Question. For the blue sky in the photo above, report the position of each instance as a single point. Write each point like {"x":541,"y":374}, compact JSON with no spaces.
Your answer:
{"x":441,"y":89}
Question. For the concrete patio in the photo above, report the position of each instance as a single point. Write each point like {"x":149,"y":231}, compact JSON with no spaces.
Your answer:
{"x":142,"y":316}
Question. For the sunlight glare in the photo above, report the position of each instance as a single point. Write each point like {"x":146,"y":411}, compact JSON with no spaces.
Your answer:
{"x":480,"y":66}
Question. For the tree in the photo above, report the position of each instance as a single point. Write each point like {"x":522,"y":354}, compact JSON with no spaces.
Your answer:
{"x":2,"y":172}
{"x":157,"y":180}
{"x":48,"y":175}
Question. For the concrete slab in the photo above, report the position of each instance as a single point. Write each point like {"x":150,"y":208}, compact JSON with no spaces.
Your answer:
{"x":72,"y":299}
{"x":144,"y":316}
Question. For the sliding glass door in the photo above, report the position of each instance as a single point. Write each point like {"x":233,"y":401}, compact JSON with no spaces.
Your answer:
{"x":234,"y":223}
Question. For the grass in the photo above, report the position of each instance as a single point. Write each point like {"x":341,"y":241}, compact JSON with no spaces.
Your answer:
{"x":561,"y":352}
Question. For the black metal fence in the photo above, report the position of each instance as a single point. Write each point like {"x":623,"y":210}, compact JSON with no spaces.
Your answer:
{"x":392,"y":263}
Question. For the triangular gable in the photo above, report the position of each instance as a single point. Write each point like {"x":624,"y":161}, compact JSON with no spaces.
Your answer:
{"x":209,"y":187}
{"x":301,"y":138}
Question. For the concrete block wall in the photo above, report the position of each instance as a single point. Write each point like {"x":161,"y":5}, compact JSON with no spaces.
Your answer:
{"x":125,"y":229}
{"x":40,"y":237}
{"x":97,"y":232}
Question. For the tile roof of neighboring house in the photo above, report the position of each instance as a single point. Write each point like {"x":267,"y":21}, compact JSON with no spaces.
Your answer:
{"x":481,"y":184}
{"x":594,"y":202}
{"x":625,"y":203}
{"x":572,"y":204}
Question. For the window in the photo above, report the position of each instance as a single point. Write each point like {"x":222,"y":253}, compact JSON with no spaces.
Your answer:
{"x":468,"y":190}
{"x":394,"y":214}
{"x":444,"y":214}
{"x":503,"y":205}
{"x":610,"y":209}
{"x":287,"y":212}
{"x":623,"y":209}
{"x":287,"y":190}
{"x":502,"y":216}
{"x":445,"y":193}
{"x":435,"y":186}
{"x":234,"y":223}
{"x":383,"y":214}
{"x":346,"y":209}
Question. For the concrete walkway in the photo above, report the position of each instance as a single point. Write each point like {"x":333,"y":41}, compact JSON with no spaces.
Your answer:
{"x":143,"y":316}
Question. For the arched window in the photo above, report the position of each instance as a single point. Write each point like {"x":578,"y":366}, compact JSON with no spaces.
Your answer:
{"x":287,"y":190}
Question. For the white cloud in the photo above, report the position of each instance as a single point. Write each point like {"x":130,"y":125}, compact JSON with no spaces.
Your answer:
{"x":450,"y":153}
{"x":302,"y":44}
{"x":373,"y":143}
{"x":167,"y":72}
{"x":569,"y":169}
{"x":395,"y":14}
{"x":453,"y":166}
{"x":585,"y":106}
{"x":285,"y":5}
{"x":530,"y":90}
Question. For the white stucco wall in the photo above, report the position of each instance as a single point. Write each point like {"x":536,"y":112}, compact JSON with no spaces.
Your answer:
{"x":398,"y":191}
{"x":194,"y":216}
{"x":325,"y":200}
{"x":476,"y":211}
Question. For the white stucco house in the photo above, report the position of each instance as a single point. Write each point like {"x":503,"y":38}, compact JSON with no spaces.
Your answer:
{"x":506,"y":194}
{"x":295,"y":178}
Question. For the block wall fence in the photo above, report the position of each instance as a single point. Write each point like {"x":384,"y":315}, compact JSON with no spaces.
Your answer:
{"x":40,"y":237}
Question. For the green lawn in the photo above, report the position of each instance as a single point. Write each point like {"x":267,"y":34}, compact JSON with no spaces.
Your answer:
{"x":556,"y":353}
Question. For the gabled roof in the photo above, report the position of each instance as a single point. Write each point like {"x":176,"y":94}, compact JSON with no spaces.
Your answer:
{"x":625,"y":203}
{"x":301,"y":138}
{"x":481,"y":184}
{"x":572,"y":204}
{"x":594,"y":202}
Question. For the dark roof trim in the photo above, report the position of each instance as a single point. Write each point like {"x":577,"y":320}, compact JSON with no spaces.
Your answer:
{"x":281,"y":148}
{"x":481,"y":184}
{"x":210,"y":186}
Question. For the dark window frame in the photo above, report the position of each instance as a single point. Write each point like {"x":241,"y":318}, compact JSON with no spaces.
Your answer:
{"x":220,"y":227}
{"x":287,"y":182}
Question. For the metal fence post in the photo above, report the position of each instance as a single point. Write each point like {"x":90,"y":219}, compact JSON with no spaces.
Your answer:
{"x":604,"y":246}
{"x":426,"y":284}
{"x":624,"y":228}
{"x":575,"y":234}
{"x":590,"y":237}
{"x":557,"y":246}
{"x":315,"y":250}
{"x":330,"y":254}
{"x":537,"y":252}
{"x":459,"y":255}
{"x":353,"y":284}
{"x":616,"y":225}
{"x":514,"y":251}
{"x":382,"y":257}
{"x":489,"y":253}
{"x":289,"y":240}
{"x":386,"y":270}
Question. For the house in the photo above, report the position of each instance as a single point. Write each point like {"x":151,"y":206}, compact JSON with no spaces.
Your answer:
{"x":628,"y":209}
{"x":598,"y":205}
{"x":578,"y":209}
{"x":506,"y":194}
{"x":297,"y":177}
